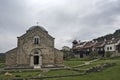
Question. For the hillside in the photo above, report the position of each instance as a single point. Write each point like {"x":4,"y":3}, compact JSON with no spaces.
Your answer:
{"x":2,"y":57}
{"x":116,"y":34}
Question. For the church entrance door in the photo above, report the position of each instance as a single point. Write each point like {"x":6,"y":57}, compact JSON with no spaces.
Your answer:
{"x":36,"y":60}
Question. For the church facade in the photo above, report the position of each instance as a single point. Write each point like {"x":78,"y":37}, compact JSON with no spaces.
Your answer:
{"x":35,"y":49}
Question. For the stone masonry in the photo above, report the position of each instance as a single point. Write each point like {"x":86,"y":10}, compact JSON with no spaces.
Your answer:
{"x":35,"y":49}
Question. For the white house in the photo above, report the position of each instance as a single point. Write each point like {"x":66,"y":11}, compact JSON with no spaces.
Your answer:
{"x":66,"y":48}
{"x":112,"y":46}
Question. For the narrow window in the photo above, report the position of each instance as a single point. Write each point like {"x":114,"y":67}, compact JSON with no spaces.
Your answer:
{"x":110,"y":48}
{"x":36,"y":40}
{"x":107,"y":48}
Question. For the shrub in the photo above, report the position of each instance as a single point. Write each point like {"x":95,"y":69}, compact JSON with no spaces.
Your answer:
{"x":67,"y":55}
{"x":93,"y":54}
{"x":108,"y":54}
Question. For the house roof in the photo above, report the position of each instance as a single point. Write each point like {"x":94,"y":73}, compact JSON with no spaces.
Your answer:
{"x":99,"y":44}
{"x":95,"y":44}
{"x":89,"y":44}
{"x":81,"y":45}
{"x":84,"y":45}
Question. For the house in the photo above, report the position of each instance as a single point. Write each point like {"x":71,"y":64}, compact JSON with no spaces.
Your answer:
{"x":89,"y":46}
{"x":82,"y":49}
{"x":66,"y":48}
{"x":113,"y":45}
{"x":99,"y":48}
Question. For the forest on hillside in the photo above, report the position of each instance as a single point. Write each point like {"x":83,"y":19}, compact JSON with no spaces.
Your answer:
{"x":2,"y":57}
{"x":116,"y":34}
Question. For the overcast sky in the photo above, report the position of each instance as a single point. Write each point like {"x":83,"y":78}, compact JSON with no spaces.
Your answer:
{"x":65,"y":20}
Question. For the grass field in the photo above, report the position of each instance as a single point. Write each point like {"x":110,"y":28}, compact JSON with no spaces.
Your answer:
{"x":60,"y":72}
{"x":2,"y":65}
{"x":111,"y":73}
{"x":73,"y":63}
{"x":20,"y":74}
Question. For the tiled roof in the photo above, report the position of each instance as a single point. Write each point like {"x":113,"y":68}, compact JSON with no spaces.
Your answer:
{"x":89,"y":44}
{"x":99,"y":44}
{"x":80,"y":45}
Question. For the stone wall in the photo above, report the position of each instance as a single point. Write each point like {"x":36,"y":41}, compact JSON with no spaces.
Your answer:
{"x":26,"y":45}
{"x":47,"y":57}
{"x":58,"y":57}
{"x":11,"y":57}
{"x":22,"y":55}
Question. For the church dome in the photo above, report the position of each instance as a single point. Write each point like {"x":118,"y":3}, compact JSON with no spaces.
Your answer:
{"x":33,"y":27}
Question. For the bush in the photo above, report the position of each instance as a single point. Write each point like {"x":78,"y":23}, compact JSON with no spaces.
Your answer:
{"x":108,"y":54}
{"x":67,"y":55}
{"x":93,"y":54}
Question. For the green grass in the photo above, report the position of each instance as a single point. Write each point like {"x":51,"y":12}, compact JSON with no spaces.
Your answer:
{"x":21,"y":74}
{"x":95,"y":63}
{"x":111,"y":73}
{"x":76,"y":61}
{"x":73,"y":63}
{"x":79,"y":59}
{"x":2,"y":65}
{"x":60,"y":72}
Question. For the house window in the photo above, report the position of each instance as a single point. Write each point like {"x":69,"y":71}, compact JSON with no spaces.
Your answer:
{"x":110,"y":48}
{"x":36,"y":40}
{"x":107,"y":48}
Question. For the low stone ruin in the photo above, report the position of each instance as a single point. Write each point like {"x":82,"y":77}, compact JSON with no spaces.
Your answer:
{"x":99,"y":67}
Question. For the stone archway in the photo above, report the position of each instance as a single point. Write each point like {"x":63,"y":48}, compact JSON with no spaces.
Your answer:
{"x":36,"y":58}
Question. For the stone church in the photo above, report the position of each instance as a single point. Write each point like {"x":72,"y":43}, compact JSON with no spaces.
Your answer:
{"x":35,"y":49}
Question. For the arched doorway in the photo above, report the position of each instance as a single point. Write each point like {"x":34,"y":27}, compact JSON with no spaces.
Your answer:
{"x":35,"y":58}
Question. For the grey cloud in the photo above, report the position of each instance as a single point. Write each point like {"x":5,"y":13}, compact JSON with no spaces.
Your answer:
{"x":105,"y":14}
{"x":65,"y":20}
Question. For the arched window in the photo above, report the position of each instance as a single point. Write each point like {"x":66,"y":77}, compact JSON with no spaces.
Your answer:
{"x":36,"y":40}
